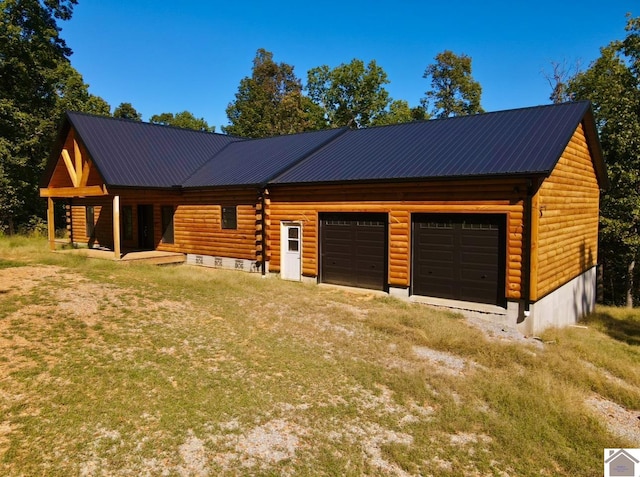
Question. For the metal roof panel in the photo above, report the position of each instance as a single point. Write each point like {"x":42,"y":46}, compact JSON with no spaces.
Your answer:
{"x":256,"y":161}
{"x":134,"y":153}
{"x":520,"y":141}
{"x":514,"y":142}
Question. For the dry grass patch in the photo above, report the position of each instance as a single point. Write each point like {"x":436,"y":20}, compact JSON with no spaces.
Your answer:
{"x":110,"y":370}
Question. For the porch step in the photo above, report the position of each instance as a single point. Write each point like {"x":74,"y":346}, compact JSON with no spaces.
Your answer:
{"x":153,"y":257}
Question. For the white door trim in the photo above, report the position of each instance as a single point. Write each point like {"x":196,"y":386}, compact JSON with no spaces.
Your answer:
{"x":291,"y":251}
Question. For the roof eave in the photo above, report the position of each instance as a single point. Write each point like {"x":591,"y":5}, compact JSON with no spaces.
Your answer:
{"x":593,"y":142}
{"x":398,"y":180}
{"x":54,"y":155}
{"x":92,"y":154}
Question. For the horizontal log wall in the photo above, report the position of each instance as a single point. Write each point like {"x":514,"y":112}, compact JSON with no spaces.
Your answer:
{"x":567,"y":215}
{"x":399,"y":201}
{"x":103,"y":221}
{"x":197,"y":221}
{"x":78,"y":226}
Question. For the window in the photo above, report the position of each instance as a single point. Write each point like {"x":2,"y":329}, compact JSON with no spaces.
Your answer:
{"x":90,"y":220}
{"x":370,"y":223}
{"x":229,"y":217}
{"x":294,"y":239}
{"x":167,"y":224}
{"x":127,"y":222}
{"x":479,"y":226}
{"x":337,"y":222}
{"x":437,"y":225}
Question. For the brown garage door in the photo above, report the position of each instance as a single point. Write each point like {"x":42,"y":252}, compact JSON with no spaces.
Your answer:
{"x":353,"y":250}
{"x":460,"y":257}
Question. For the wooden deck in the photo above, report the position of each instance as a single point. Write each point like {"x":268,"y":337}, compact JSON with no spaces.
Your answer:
{"x":149,"y":257}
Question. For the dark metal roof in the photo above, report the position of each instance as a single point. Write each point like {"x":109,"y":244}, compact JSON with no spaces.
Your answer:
{"x":133,"y":153}
{"x":256,"y":161}
{"x":514,"y":142}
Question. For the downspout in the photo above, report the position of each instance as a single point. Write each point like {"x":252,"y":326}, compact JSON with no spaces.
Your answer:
{"x":526,"y":265}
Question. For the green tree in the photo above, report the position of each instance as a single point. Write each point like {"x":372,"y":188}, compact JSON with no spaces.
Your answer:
{"x":270,"y":102}
{"x":31,"y":55}
{"x":127,"y":111}
{"x":185,"y":120}
{"x":96,"y":105}
{"x":398,"y":112}
{"x":612,"y":83}
{"x":454,"y":91}
{"x":350,"y":94}
{"x":73,"y":93}
{"x":314,"y":115}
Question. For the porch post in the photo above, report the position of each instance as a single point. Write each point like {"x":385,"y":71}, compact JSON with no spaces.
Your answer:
{"x":51,"y":226}
{"x":116,"y":226}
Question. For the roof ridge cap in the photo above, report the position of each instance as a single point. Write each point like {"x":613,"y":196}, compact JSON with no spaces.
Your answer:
{"x":475,"y":115}
{"x":148,"y":123}
{"x":293,"y":134}
{"x":512,"y":110}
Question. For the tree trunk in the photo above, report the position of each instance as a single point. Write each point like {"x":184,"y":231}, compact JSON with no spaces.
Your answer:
{"x":12,"y":230}
{"x":630,"y":269}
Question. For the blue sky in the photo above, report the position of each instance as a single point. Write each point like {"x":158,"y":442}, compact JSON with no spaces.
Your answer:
{"x":171,"y":56}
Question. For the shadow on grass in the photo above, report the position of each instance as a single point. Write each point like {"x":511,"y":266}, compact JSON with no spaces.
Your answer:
{"x":622,"y":326}
{"x":10,"y":264}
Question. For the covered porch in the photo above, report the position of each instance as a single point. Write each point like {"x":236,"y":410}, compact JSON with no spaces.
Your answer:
{"x":74,"y":176}
{"x":58,"y":193}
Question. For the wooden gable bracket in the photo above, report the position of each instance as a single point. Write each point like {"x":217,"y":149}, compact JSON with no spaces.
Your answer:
{"x":78,"y":169}
{"x":86,"y":169}
{"x":70,"y":169}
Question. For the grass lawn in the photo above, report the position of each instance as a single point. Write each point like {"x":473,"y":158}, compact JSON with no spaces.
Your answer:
{"x":137,"y":370}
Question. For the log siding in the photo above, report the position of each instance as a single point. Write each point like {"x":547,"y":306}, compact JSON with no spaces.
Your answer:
{"x":103,"y":222}
{"x":550,"y":204}
{"x":566,"y":210}
{"x":304,"y":204}
{"x":197,"y":221}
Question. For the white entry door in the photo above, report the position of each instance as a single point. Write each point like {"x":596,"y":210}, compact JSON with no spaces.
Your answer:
{"x":290,"y":251}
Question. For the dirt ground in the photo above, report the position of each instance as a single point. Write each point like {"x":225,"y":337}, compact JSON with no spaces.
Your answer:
{"x":270,"y":442}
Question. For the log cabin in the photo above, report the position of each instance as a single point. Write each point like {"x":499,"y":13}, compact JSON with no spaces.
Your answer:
{"x":495,"y":214}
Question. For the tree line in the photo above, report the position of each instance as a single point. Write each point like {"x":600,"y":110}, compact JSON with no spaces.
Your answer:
{"x":612,"y":84}
{"x":38,"y":84}
{"x":273,"y":100}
